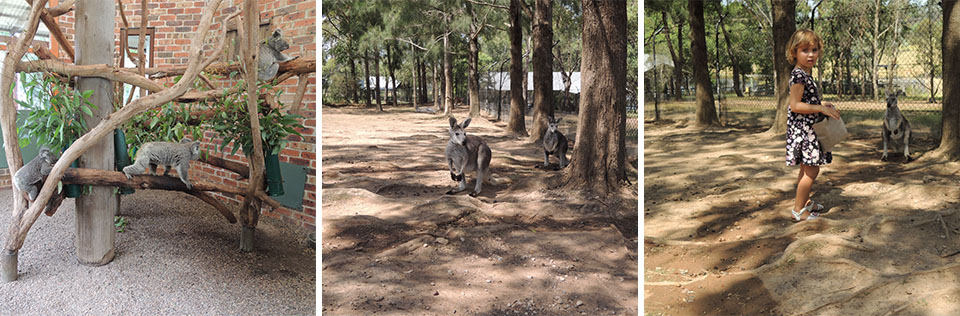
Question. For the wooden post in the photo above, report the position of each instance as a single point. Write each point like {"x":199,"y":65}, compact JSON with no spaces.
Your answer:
{"x":95,"y":45}
{"x":249,"y":212}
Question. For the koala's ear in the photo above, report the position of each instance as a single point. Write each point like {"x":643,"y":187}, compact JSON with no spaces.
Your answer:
{"x":465,"y":123}
{"x":453,"y":122}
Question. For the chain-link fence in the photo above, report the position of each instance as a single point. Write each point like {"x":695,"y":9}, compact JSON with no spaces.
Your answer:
{"x":862,"y":60}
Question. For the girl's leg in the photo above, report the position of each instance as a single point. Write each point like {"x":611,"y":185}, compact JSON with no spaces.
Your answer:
{"x":807,"y":175}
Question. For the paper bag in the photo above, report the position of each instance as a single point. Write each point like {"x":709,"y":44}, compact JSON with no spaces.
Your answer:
{"x":830,"y":131}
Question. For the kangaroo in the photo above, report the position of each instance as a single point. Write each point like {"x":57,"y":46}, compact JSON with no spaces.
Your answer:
{"x":466,"y":153}
{"x":554,"y":143}
{"x":895,"y":126}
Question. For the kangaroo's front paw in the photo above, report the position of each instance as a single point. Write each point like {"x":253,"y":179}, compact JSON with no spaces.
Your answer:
{"x":474,"y":193}
{"x":452,"y":191}
{"x":909,"y":159}
{"x":883,"y":158}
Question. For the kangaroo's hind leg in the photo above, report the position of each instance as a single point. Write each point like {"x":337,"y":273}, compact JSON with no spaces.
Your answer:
{"x":906,"y":142}
{"x":483,"y":167}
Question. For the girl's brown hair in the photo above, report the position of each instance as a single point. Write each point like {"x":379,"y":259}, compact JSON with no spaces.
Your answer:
{"x":801,"y":37}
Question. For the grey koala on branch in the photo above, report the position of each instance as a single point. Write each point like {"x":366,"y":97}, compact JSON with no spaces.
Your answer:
{"x":270,"y":55}
{"x":177,"y":155}
{"x":31,"y":176}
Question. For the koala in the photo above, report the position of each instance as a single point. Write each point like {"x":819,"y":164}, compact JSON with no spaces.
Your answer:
{"x":554,"y":143}
{"x":895,"y":126}
{"x":270,"y":55}
{"x":466,"y":153}
{"x":30,"y":177}
{"x":176,"y":155}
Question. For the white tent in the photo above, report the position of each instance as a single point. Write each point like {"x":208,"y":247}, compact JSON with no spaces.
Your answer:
{"x":501,"y":80}
{"x":648,"y":63}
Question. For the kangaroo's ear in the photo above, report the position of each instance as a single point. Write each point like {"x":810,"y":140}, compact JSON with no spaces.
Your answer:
{"x":465,"y":123}
{"x":557,"y":120}
{"x":453,"y":122}
{"x":277,"y":33}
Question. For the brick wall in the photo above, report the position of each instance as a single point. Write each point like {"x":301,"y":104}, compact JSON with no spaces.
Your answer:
{"x":175,"y":22}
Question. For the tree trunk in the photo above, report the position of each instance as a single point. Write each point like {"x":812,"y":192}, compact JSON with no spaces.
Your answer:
{"x":473,"y":79}
{"x":599,"y":153}
{"x":682,"y":82}
{"x":423,"y":83}
{"x":733,"y":62}
{"x":783,"y":27}
{"x":416,"y":81}
{"x":447,"y":77}
{"x":94,"y":43}
{"x":437,"y":87}
{"x":706,"y":110}
{"x":353,"y":81}
{"x":516,"y":125}
{"x":875,"y":66}
{"x":393,"y":80}
{"x":543,"y":100}
{"x":366,"y":76}
{"x":950,"y":126}
{"x":376,"y":67}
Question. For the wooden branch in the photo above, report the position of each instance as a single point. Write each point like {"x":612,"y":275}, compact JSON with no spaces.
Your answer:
{"x":301,"y":90}
{"x":206,"y":81}
{"x":61,"y":9}
{"x":142,"y":58}
{"x":498,"y":6}
{"x":51,"y":22}
{"x":271,"y":99}
{"x":236,"y":167}
{"x":196,"y":63}
{"x":123,"y":17}
{"x":8,"y":122}
{"x":297,"y":66}
{"x":55,"y":203}
{"x":42,"y":52}
{"x":250,"y":25}
{"x":100,"y":71}
{"x":203,"y":196}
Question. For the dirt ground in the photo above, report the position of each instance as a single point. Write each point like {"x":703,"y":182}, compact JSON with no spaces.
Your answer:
{"x":394,"y":243}
{"x":176,"y":256}
{"x":719,"y":238}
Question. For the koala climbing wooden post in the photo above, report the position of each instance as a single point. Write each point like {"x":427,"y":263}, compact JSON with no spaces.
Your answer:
{"x":8,"y":125}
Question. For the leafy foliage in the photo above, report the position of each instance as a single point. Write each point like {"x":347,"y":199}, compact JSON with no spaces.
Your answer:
{"x":167,"y":123}
{"x":232,"y":122}
{"x":56,"y":119}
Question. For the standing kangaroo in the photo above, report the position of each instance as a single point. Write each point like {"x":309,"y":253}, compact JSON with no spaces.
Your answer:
{"x":895,"y":126}
{"x":466,"y":153}
{"x":554,"y":143}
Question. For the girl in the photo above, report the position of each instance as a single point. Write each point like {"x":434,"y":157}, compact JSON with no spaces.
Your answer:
{"x":803,"y":110}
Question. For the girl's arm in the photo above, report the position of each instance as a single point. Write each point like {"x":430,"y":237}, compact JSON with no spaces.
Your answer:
{"x":796,"y":92}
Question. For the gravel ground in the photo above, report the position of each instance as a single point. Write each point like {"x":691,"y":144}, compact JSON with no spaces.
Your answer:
{"x":178,"y":256}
